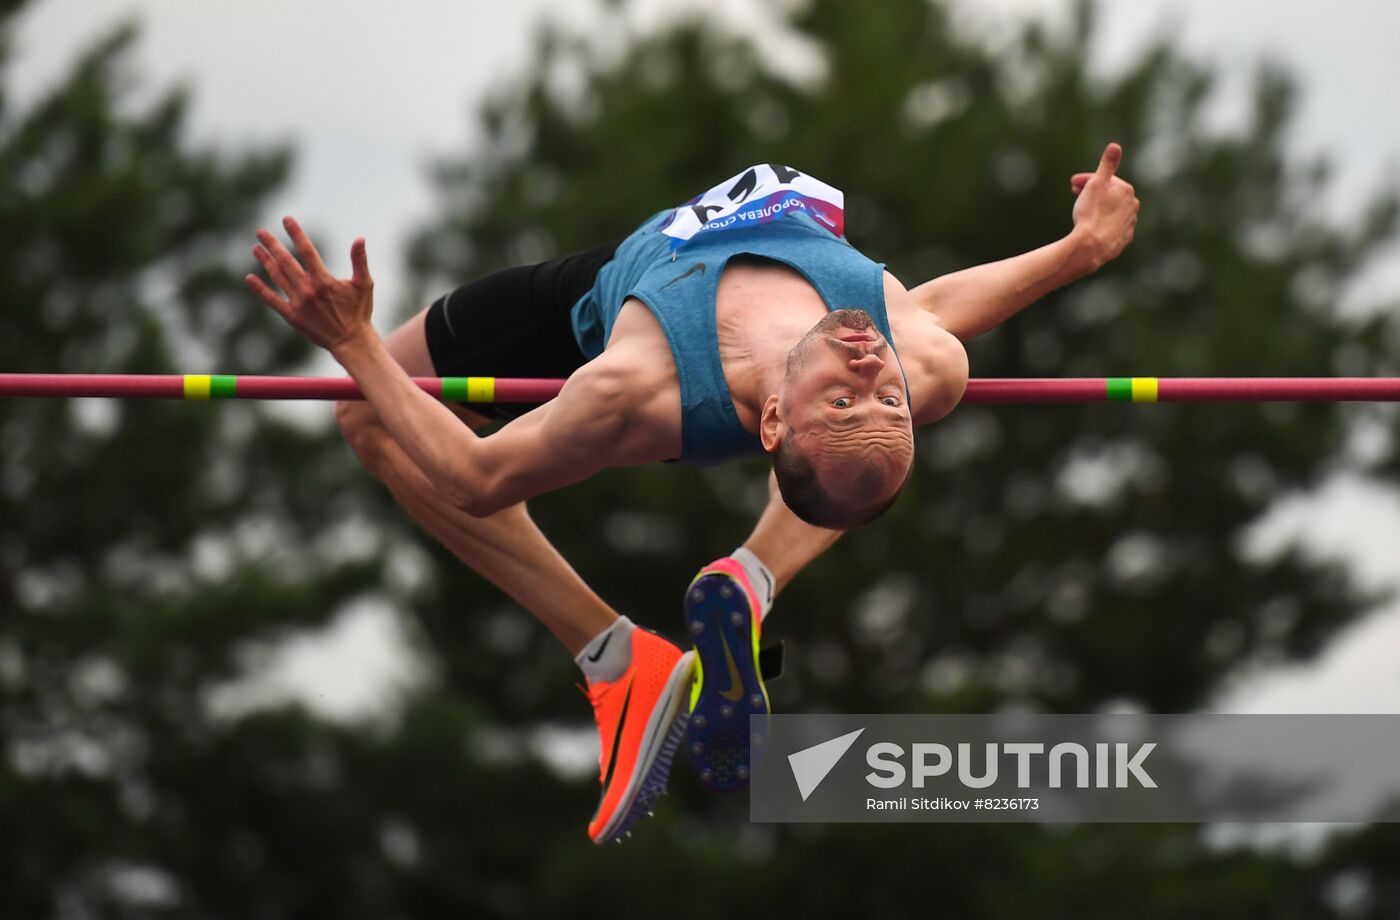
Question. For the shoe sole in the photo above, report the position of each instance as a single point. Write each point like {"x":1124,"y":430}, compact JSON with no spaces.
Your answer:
{"x":663,"y":735}
{"x":720,"y":729}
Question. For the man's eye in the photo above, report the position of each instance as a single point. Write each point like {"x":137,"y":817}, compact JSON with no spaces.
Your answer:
{"x":842,"y":402}
{"x":890,"y":400}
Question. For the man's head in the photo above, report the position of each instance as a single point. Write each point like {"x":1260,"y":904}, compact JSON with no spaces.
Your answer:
{"x":839,"y":429}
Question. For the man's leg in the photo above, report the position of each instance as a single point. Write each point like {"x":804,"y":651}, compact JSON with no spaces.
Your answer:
{"x":724,"y":607}
{"x":784,"y":543}
{"x":640,"y":708}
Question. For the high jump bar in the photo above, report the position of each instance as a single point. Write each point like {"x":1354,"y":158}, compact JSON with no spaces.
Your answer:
{"x":539,"y":389}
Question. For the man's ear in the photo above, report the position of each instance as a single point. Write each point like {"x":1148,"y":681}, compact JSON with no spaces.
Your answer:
{"x":770,"y":425}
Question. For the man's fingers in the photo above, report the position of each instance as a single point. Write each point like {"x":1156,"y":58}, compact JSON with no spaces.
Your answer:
{"x":309,"y":256}
{"x":267,"y":295}
{"x":1108,"y":163}
{"x":359,"y":262}
{"x":291,"y":269}
{"x":273,"y":269}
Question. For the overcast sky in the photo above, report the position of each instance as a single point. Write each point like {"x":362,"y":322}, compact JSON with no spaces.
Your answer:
{"x":368,"y":92}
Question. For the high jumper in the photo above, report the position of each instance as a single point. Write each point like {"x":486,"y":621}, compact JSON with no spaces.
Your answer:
{"x":738,"y":323}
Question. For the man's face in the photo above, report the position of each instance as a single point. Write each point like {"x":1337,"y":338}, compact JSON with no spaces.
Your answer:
{"x":844,"y":398}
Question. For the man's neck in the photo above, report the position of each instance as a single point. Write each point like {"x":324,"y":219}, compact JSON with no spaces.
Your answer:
{"x":755,"y":359}
{"x":754,"y":381}
{"x":763,"y":310}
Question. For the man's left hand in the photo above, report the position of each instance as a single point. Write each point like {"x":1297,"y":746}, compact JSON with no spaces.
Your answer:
{"x":1105,"y":214}
{"x":330,"y":311}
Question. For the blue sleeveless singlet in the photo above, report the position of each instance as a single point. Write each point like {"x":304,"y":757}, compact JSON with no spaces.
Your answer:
{"x":673,"y":262}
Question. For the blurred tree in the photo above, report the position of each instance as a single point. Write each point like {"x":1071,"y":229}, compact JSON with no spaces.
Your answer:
{"x":146,"y":550}
{"x":1059,"y":558}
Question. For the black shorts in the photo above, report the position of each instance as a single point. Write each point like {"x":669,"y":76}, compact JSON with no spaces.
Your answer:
{"x":514,"y":323}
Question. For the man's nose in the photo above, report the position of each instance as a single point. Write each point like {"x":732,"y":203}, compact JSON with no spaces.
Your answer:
{"x":867,"y":364}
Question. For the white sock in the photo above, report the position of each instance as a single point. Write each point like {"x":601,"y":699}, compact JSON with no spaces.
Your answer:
{"x":607,"y":655}
{"x":759,"y":576}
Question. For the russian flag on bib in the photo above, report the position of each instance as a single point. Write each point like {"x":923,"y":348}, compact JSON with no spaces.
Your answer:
{"x":759,"y":194}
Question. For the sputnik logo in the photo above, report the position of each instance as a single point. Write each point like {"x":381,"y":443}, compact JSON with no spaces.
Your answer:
{"x":811,"y":765}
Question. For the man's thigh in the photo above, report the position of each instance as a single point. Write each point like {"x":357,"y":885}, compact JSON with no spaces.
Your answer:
{"x":516,"y":322}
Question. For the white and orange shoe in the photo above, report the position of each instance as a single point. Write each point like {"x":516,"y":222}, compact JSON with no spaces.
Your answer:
{"x":641,"y":719}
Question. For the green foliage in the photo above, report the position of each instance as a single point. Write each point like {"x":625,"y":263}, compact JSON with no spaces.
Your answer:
{"x":144,"y":548}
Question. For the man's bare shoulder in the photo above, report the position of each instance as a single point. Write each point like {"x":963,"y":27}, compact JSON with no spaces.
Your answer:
{"x":933,"y":359}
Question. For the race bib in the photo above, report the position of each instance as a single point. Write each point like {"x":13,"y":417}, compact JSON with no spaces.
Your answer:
{"x":757,"y":195}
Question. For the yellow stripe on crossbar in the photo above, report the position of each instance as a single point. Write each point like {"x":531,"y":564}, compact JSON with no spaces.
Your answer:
{"x":1144,"y":389}
{"x":481,"y":389}
{"x":197,"y":386}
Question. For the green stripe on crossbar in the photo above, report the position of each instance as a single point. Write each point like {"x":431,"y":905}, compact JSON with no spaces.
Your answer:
{"x":454,"y":389}
{"x":1120,"y":389}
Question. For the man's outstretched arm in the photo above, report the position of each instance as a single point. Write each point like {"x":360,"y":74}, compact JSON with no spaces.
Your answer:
{"x":784,"y":542}
{"x":969,"y":303}
{"x":974,"y":300}
{"x":560,"y":443}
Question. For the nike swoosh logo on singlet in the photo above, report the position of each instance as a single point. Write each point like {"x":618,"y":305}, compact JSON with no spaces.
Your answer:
{"x":697,"y":267}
